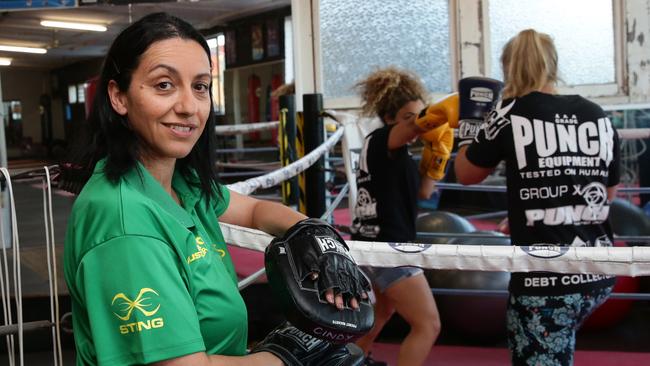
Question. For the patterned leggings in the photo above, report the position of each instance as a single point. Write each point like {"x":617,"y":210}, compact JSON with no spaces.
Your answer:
{"x":542,"y":329}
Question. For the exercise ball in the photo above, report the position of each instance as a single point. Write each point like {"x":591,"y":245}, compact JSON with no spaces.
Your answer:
{"x":628,"y":219}
{"x":441,"y":222}
{"x":613,"y":311}
{"x":476,"y":318}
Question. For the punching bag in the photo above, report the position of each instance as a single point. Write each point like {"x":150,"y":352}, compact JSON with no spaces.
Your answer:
{"x":90,"y":89}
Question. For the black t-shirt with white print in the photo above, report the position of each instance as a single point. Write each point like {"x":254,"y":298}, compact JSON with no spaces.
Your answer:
{"x":561,"y":154}
{"x":387,"y":186}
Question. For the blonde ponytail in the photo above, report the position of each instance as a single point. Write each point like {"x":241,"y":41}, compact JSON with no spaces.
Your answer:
{"x":529,"y":63}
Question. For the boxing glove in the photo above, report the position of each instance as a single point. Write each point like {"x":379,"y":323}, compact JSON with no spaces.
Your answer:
{"x":443,"y":111}
{"x":438,"y":144}
{"x":296,"y":348}
{"x":477,"y":96}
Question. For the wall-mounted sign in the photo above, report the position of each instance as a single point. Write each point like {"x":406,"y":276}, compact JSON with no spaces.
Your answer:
{"x":36,"y":4}
{"x":272,"y":38}
{"x":231,"y":47}
{"x":257,"y":42}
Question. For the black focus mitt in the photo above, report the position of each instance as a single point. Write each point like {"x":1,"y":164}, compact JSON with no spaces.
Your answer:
{"x":296,"y":348}
{"x":313,"y":246}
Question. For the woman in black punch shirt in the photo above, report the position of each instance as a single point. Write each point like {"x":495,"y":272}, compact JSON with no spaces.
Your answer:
{"x":562,"y":166}
{"x":386,"y":209}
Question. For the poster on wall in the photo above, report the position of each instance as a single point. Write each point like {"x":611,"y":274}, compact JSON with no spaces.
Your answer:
{"x":272,"y":38}
{"x":231,"y":47}
{"x":120,"y":2}
{"x":36,"y":4}
{"x":257,"y":42}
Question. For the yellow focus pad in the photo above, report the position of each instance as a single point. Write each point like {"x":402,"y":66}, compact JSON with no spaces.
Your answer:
{"x":443,"y":111}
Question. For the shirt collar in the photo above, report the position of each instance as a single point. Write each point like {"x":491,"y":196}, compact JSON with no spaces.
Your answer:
{"x":142,"y":181}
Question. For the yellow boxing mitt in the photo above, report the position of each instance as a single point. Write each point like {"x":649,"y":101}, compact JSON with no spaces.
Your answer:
{"x":438,"y":143}
{"x":443,"y":111}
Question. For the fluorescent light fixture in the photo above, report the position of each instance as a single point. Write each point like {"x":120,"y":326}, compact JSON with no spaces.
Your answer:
{"x":8,"y":48}
{"x":5,"y":61}
{"x":72,"y":25}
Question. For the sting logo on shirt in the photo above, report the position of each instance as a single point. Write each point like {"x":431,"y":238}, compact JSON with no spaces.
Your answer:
{"x":201,"y":250}
{"x":145,"y":303}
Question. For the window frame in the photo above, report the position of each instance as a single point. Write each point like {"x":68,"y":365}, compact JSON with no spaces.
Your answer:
{"x":469,"y":43}
{"x":353,"y":101}
{"x":610,"y":93}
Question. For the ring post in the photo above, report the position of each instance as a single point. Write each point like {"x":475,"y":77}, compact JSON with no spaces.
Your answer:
{"x":288,"y":154}
{"x":300,"y":149}
{"x":314,"y":136}
{"x":5,"y":223}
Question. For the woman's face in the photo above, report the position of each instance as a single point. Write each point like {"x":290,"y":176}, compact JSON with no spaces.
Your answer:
{"x":168,"y":101}
{"x":407,"y":113}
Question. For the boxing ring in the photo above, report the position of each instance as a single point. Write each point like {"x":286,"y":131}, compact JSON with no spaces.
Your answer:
{"x":630,"y":261}
{"x":620,"y":261}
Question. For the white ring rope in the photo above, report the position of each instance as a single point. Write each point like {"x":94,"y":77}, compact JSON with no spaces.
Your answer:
{"x":502,"y":189}
{"x":50,"y":246}
{"x":5,"y":286}
{"x":274,"y":178}
{"x":18,"y":292}
{"x":250,"y":279}
{"x":634,"y":133}
{"x":256,"y":165}
{"x":229,"y":130}
{"x":621,"y":261}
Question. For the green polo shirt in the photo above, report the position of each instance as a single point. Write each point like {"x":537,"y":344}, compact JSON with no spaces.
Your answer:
{"x":150,"y":280}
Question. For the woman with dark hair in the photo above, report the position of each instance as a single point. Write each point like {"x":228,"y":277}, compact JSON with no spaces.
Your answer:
{"x":149,"y":273}
{"x":562,"y":169}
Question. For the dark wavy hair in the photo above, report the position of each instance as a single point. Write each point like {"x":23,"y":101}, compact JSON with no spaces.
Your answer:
{"x":108,"y":134}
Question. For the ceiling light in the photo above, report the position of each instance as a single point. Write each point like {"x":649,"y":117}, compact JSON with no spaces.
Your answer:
{"x":71,"y":25}
{"x":22,"y":49}
{"x":5,"y":61}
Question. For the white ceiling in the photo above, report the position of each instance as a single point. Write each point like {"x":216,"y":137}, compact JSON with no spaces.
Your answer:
{"x":22,"y":28}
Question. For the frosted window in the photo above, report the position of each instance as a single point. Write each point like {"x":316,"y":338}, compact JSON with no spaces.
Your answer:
{"x":356,"y":37}
{"x":288,"y":50}
{"x":583,"y":32}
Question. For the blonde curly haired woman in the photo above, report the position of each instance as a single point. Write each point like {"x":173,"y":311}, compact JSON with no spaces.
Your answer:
{"x":388,"y":185}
